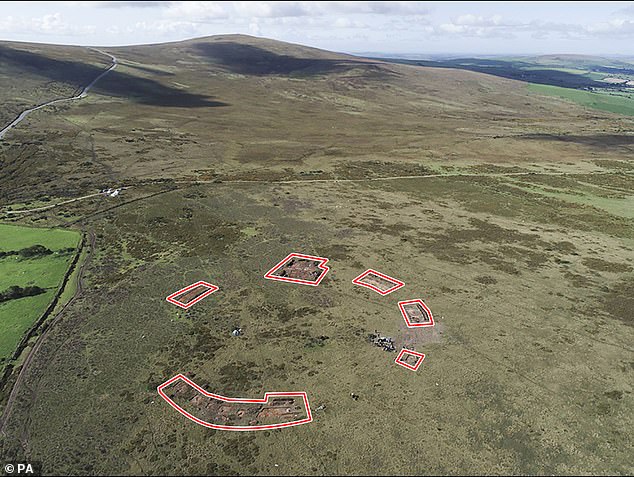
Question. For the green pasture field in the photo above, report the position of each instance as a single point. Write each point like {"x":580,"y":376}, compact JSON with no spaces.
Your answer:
{"x":613,"y":103}
{"x":17,"y":316}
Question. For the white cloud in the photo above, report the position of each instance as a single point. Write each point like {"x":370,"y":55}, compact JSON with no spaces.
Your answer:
{"x":254,"y":29}
{"x":346,"y":22}
{"x":470,"y":25}
{"x":617,"y":28}
{"x":50,"y":24}
{"x":198,"y":11}
{"x":210,"y":11}
{"x":479,"y":20}
{"x":388,"y":24}
{"x":383,"y":8}
{"x":117,"y":4}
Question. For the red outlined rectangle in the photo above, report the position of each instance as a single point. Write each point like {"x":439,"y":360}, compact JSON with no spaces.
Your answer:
{"x":397,"y":283}
{"x":270,"y":275}
{"x":301,"y":394}
{"x":172,"y":298}
{"x":410,"y":352}
{"x":425,"y":309}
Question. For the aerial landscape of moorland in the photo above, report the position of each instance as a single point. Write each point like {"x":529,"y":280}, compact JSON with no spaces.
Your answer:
{"x":505,"y":208}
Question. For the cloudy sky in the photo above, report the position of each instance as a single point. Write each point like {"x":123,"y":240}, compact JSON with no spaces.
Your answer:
{"x":390,"y":27}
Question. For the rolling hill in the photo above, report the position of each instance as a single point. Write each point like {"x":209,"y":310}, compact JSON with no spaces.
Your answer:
{"x":219,"y":105}
{"x":509,"y":213}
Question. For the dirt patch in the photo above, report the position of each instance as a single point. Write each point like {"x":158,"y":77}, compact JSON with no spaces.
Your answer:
{"x":300,"y":269}
{"x":191,"y":295}
{"x":412,"y":337}
{"x":619,"y":301}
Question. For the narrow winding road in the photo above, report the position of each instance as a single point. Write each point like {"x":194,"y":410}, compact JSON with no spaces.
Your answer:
{"x":83,"y":94}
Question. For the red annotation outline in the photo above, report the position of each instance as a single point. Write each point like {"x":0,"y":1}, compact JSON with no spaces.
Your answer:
{"x":412,"y":352}
{"x":308,"y":419}
{"x":397,"y":283}
{"x":269,"y":275}
{"x":425,"y":307}
{"x":172,"y":297}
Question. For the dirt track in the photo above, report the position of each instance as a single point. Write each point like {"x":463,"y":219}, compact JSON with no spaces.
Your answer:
{"x":301,"y":181}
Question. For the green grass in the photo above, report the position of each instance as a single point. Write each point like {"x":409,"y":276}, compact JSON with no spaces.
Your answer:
{"x":14,"y":237}
{"x":574,"y":71}
{"x":619,"y":206}
{"x":17,"y":316}
{"x":603,"y":101}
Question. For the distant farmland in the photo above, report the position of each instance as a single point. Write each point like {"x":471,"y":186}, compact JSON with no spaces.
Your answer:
{"x":612,"y":102}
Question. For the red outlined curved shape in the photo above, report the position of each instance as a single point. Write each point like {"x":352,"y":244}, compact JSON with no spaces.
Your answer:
{"x":321,"y":265}
{"x":172,"y":298}
{"x":364,"y":276}
{"x":178,"y":377}
{"x":412,"y":309}
{"x":404,"y":354}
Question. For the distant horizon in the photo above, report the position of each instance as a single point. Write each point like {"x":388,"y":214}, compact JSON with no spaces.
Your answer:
{"x":376,"y":54}
{"x":387,"y":54}
{"x":403,"y":28}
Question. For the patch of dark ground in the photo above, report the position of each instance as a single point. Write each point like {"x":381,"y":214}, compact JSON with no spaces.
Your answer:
{"x":373,"y":169}
{"x":337,"y":252}
{"x":504,"y":248}
{"x":242,"y":447}
{"x":193,"y":228}
{"x":577,"y":280}
{"x":600,"y":265}
{"x":45,"y":167}
{"x":618,"y":301}
{"x":600,"y":141}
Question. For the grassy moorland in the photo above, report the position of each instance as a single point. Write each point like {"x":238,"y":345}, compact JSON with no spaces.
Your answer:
{"x":508,"y":212}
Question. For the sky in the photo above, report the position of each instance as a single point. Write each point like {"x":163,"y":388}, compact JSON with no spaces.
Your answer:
{"x":483,"y":28}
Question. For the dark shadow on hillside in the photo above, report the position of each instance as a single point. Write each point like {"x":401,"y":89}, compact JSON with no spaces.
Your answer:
{"x":593,"y":140}
{"x":251,"y":60}
{"x":116,"y":83}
